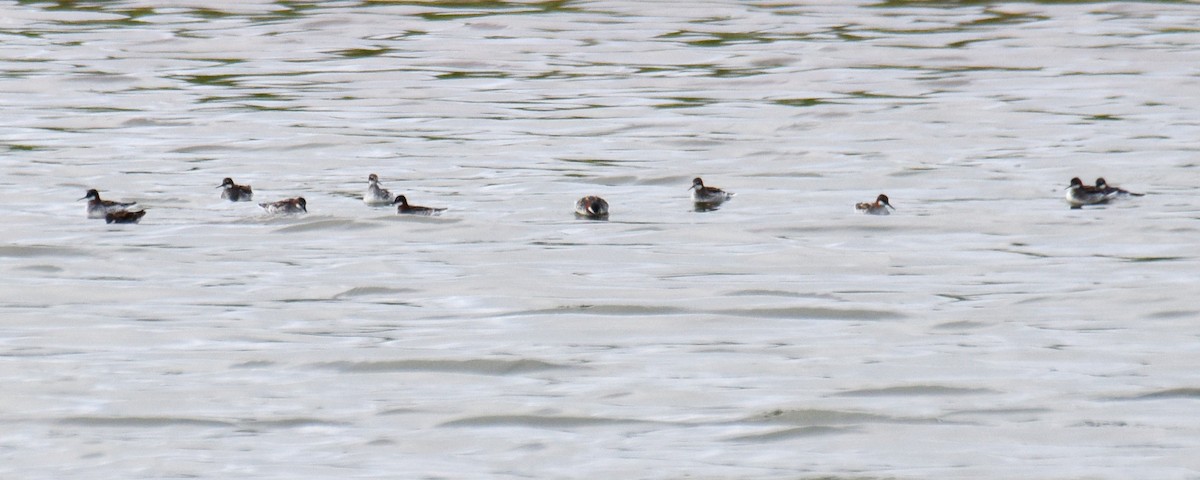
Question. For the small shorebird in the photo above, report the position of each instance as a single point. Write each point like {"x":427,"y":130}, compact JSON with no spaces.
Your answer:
{"x":289,"y":206}
{"x":124,"y":216}
{"x":234,"y":192}
{"x":402,"y":206}
{"x":710,"y":196}
{"x":592,"y":207}
{"x":880,"y":207}
{"x":1112,"y":191}
{"x":376,"y":195}
{"x":1079,"y":194}
{"x":97,"y":208}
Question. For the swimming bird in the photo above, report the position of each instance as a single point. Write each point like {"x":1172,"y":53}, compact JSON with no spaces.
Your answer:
{"x":880,"y":207}
{"x":592,"y":207}
{"x":703,"y":195}
{"x":402,"y":206}
{"x":125,"y":216}
{"x":97,"y":208}
{"x":376,"y":195}
{"x":1112,"y":191}
{"x":234,"y":192}
{"x":1079,"y":194}
{"x":290,"y":206}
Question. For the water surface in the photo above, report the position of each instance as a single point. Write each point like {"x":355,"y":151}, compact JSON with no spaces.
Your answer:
{"x":984,"y":330}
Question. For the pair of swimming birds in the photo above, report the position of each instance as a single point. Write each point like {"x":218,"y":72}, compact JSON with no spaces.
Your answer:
{"x":704,"y":197}
{"x":111,"y":211}
{"x":243,"y":193}
{"x":376,"y":195}
{"x":1079,"y":194}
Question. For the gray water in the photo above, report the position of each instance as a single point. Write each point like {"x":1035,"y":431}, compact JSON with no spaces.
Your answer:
{"x":983,"y":330}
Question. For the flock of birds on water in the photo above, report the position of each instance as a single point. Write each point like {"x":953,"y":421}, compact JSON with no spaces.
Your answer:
{"x":590,"y":207}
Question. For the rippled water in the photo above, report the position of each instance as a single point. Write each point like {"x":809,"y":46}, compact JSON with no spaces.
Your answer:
{"x":983,"y":330}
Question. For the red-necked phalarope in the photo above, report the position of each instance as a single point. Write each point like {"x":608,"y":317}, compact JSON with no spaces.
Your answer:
{"x":234,"y":192}
{"x":97,"y":208}
{"x":124,"y":216}
{"x":376,"y":195}
{"x":289,"y":206}
{"x":1079,"y":194}
{"x":880,"y":207}
{"x":710,"y":196}
{"x":402,"y":206}
{"x":592,"y":207}
{"x":1112,"y":191}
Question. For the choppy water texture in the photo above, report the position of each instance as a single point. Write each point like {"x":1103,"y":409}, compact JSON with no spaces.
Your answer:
{"x":983,"y":330}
